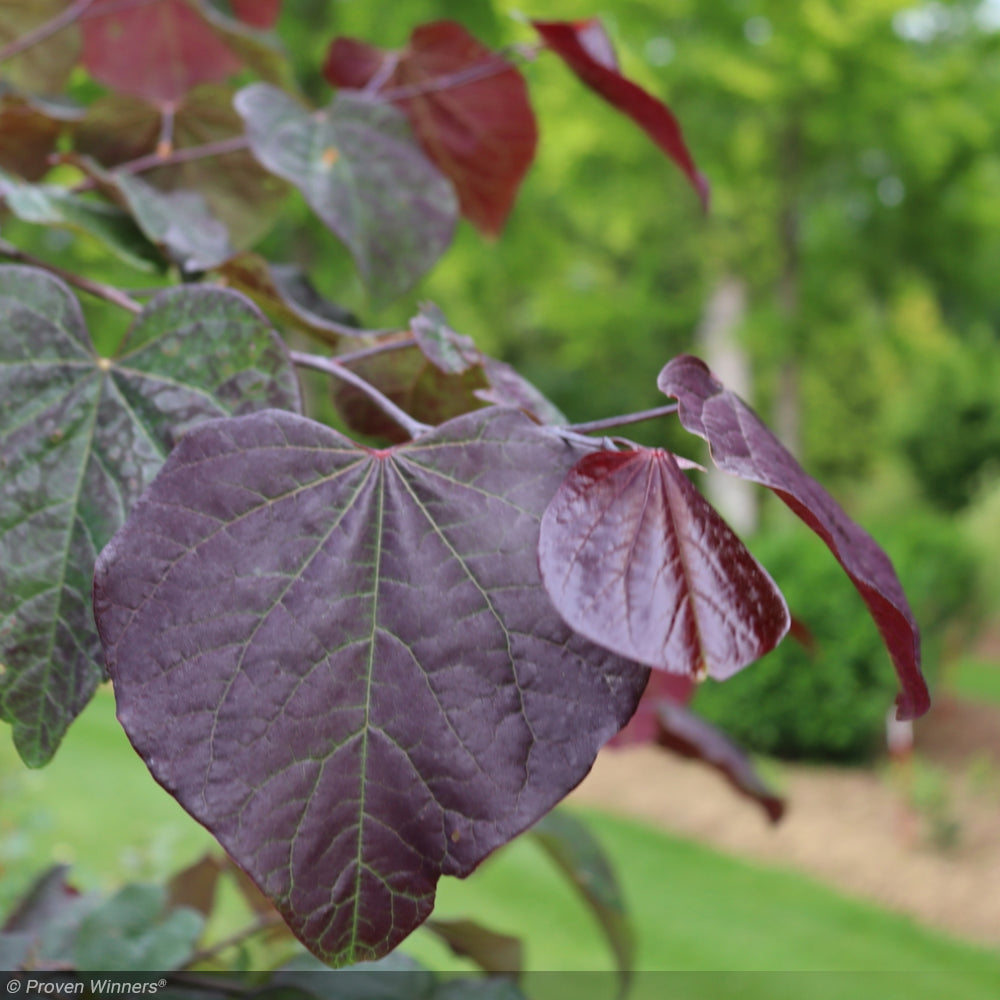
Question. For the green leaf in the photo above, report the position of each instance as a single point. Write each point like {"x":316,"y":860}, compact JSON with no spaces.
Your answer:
{"x":46,"y":66}
{"x":362,"y":173}
{"x":134,"y":932}
{"x":48,"y":205}
{"x":577,"y":853}
{"x":80,"y":437}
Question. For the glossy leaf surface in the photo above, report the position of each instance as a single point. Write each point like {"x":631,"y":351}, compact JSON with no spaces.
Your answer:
{"x":637,"y":560}
{"x":80,"y":437}
{"x":586,"y":49}
{"x":468,"y":107}
{"x":742,"y":445}
{"x":579,"y":856}
{"x":359,"y":168}
{"x":341,"y":660}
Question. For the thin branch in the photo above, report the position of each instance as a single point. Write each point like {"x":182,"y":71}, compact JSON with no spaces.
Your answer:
{"x":208,"y":984}
{"x":609,"y":423}
{"x":150,"y":161}
{"x":331,"y":366}
{"x":263,"y":923}
{"x":73,"y":12}
{"x":493,"y":66}
{"x":101,"y":291}
{"x":384,"y":348}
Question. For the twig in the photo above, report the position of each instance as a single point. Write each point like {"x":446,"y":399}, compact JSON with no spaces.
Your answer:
{"x":208,"y":984}
{"x":233,"y":144}
{"x":608,"y":423}
{"x":106,"y":292}
{"x":384,"y":348}
{"x":331,"y":366}
{"x":263,"y":923}
{"x":46,"y":30}
{"x":493,"y":66}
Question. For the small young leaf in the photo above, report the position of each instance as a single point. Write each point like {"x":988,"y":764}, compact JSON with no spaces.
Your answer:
{"x":478,"y":129}
{"x":29,"y":129}
{"x":743,"y":446}
{"x":586,"y":49}
{"x":635,"y":559}
{"x":359,"y":169}
{"x":195,"y":886}
{"x":80,"y":437}
{"x":341,"y":660}
{"x":577,"y":853}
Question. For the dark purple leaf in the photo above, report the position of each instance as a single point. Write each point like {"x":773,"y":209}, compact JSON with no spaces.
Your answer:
{"x":644,"y":726}
{"x":689,"y":735}
{"x":742,"y":445}
{"x":586,"y":49}
{"x":579,"y":856}
{"x":358,"y":167}
{"x":498,"y":954}
{"x":47,"y":897}
{"x":341,"y":660}
{"x":635,"y":559}
{"x":80,"y":438}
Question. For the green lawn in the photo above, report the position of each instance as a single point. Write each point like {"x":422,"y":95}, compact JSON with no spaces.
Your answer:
{"x":976,"y":680}
{"x":697,"y":912}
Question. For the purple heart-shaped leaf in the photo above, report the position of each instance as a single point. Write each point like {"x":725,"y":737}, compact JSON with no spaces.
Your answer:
{"x":341,"y":660}
{"x":743,"y":446}
{"x":637,"y":560}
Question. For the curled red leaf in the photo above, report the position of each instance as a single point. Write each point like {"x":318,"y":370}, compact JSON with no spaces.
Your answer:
{"x":586,"y":49}
{"x":742,"y":445}
{"x":635,"y":559}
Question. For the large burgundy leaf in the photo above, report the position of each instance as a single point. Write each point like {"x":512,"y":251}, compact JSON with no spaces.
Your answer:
{"x":742,"y":445}
{"x":358,"y":167}
{"x":478,"y":129}
{"x":586,"y":49}
{"x":637,"y":560}
{"x":342,"y":662}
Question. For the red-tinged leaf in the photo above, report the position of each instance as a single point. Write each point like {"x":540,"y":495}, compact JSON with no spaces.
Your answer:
{"x":636,"y":559}
{"x":257,"y":13}
{"x":195,"y":886}
{"x":157,"y":51}
{"x":691,"y":736}
{"x":468,"y":107}
{"x":342,"y":663}
{"x":743,"y":446}
{"x":644,"y":726}
{"x":496,"y":954}
{"x":585,"y":48}
{"x":29,"y":129}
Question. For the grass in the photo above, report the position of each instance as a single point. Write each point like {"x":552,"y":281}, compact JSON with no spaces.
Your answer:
{"x":698,"y":913}
{"x":976,"y":680}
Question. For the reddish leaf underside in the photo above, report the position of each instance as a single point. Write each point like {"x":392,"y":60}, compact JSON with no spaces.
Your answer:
{"x":341,"y":661}
{"x":742,"y":445}
{"x":586,"y":49}
{"x":644,"y":726}
{"x":635,"y":559}
{"x":478,"y":129}
{"x":156,"y":51}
